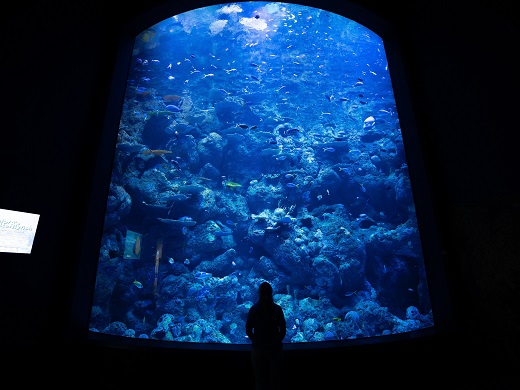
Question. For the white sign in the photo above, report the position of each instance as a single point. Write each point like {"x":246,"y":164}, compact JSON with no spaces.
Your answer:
{"x":17,"y":231}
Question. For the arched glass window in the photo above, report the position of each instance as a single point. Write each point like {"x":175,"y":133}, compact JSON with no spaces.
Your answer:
{"x":259,"y":141}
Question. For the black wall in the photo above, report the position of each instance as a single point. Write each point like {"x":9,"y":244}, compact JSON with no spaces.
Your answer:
{"x":460,"y":57}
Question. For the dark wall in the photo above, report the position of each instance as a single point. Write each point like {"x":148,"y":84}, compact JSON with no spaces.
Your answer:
{"x":460,"y":58}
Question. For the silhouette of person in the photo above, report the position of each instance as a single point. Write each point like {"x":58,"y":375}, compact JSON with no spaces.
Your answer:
{"x":266,"y":329}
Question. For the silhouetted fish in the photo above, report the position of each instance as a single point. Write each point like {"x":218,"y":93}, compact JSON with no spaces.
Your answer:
{"x":172,"y":108}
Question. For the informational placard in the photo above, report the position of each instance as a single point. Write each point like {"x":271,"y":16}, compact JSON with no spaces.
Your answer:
{"x":17,"y":231}
{"x":133,"y":245}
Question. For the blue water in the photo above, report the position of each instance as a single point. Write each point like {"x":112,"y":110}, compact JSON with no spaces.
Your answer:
{"x":259,"y":141}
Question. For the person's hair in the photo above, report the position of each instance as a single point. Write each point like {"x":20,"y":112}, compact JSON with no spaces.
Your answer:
{"x":265,"y":293}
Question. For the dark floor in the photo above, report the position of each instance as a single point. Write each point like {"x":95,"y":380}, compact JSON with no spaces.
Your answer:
{"x":436,"y":362}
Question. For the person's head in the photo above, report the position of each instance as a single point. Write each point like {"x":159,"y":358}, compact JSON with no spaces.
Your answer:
{"x":265,"y":292}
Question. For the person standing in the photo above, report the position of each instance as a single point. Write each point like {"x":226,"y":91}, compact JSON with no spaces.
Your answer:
{"x":266,"y":328}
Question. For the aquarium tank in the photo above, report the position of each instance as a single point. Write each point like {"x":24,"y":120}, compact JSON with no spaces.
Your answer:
{"x":259,"y":141}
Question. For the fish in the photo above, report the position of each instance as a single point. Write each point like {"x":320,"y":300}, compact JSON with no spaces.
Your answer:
{"x":272,"y":229}
{"x":235,"y":137}
{"x":172,"y":98}
{"x":291,"y":131}
{"x":176,"y":164}
{"x":144,"y":304}
{"x":170,"y":260}
{"x":172,"y":108}
{"x":138,"y":284}
{"x":142,"y":91}
{"x":286,"y":219}
{"x":329,"y":149}
{"x":203,"y":275}
{"x":156,"y":206}
{"x":191,"y":188}
{"x":186,"y":261}
{"x":156,"y":152}
{"x":178,"y":222}
{"x":221,"y":233}
{"x":232,"y":184}
{"x":176,"y":198}
{"x":292,"y":185}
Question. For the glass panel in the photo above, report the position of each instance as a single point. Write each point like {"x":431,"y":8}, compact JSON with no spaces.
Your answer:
{"x":259,"y":141}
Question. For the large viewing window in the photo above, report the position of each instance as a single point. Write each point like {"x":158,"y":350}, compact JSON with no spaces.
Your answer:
{"x":260,"y":141}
